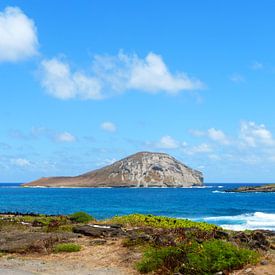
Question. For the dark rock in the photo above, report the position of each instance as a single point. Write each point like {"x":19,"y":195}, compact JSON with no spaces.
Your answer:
{"x":219,"y":234}
{"x":36,"y":223}
{"x":264,"y":262}
{"x":255,"y":240}
{"x":31,"y":241}
{"x":248,"y":189}
{"x":242,"y":237}
{"x":98,"y":242}
{"x":97,"y":231}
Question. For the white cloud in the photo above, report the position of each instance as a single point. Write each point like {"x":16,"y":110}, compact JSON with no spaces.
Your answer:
{"x":167,"y":142}
{"x":130,"y":72}
{"x":61,"y":83}
{"x":252,"y":134}
{"x":112,"y":75}
{"x":213,"y":134}
{"x":108,"y":126}
{"x":21,"y":162}
{"x":65,"y":137}
{"x":18,"y":37}
{"x":218,"y":136}
{"x":199,"y":149}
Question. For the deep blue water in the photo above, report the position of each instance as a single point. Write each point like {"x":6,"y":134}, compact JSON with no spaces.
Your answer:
{"x":231,"y":210}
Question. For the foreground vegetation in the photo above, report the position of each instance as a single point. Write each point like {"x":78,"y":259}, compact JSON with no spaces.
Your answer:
{"x":160,"y":222}
{"x":193,"y":258}
{"x":67,"y":247}
{"x":167,"y":245}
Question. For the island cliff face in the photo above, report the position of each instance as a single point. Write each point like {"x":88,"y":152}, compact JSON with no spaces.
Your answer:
{"x":143,"y":169}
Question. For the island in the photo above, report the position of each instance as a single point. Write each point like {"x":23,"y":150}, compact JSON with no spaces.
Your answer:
{"x":248,"y":189}
{"x":143,"y":169}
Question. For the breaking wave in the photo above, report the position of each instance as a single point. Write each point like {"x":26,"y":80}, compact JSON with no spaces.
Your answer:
{"x":251,"y":221}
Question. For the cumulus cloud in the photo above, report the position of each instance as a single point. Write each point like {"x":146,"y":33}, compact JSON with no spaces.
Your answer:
{"x":65,"y":137}
{"x":18,"y":36}
{"x":167,"y":142}
{"x":214,"y":134}
{"x":42,"y":132}
{"x":21,"y":162}
{"x":199,"y":149}
{"x":150,"y":74}
{"x":217,"y":135}
{"x":112,"y":75}
{"x":252,"y":134}
{"x":60,"y":82}
{"x":108,"y":126}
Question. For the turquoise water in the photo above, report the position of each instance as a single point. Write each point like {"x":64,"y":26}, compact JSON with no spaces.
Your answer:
{"x":231,"y":210}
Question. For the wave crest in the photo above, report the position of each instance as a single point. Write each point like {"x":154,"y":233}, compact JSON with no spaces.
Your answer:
{"x":251,"y":221}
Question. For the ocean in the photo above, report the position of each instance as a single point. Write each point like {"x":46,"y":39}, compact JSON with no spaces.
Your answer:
{"x":237,"y":211}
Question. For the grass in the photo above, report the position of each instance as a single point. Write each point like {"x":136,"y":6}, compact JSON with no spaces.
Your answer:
{"x":192,"y":258}
{"x":81,"y":217}
{"x":160,"y":222}
{"x":67,"y":247}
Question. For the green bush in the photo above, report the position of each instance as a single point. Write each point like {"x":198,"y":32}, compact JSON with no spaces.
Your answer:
{"x":153,"y":259}
{"x":194,"y":258}
{"x":66,"y":247}
{"x":160,"y":222}
{"x":81,"y":217}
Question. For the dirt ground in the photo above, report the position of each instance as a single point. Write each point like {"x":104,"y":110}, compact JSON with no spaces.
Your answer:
{"x":110,"y":258}
{"x":266,"y":268}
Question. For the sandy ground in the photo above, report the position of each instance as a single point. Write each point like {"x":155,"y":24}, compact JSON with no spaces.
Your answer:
{"x":108,"y":259}
{"x":260,"y":269}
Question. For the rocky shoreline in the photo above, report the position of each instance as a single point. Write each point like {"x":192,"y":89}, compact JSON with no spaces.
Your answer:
{"x":119,"y":244}
{"x":248,"y":189}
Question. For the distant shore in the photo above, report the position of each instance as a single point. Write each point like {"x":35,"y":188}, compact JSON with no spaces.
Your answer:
{"x":248,"y":189}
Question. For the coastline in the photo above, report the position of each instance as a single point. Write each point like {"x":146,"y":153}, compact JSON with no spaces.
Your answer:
{"x":117,"y":245}
{"x":238,"y":211}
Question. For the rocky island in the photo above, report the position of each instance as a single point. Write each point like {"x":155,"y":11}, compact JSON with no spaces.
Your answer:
{"x":143,"y":169}
{"x":247,"y":189}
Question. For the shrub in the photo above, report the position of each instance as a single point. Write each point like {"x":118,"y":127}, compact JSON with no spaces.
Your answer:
{"x":153,"y":259}
{"x":160,"y":222}
{"x":66,"y":247}
{"x":193,"y":258}
{"x":81,"y":217}
{"x":216,"y":255}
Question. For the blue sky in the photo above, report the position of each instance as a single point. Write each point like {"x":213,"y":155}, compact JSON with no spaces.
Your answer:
{"x":85,"y":83}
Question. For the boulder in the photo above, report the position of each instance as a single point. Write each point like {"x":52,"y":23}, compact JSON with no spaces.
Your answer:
{"x":31,"y":241}
{"x":99,"y":230}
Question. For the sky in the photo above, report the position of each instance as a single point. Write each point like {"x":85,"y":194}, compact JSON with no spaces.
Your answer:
{"x":85,"y":83}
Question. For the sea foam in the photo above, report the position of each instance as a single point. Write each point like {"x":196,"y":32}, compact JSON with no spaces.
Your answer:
{"x":251,"y":221}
